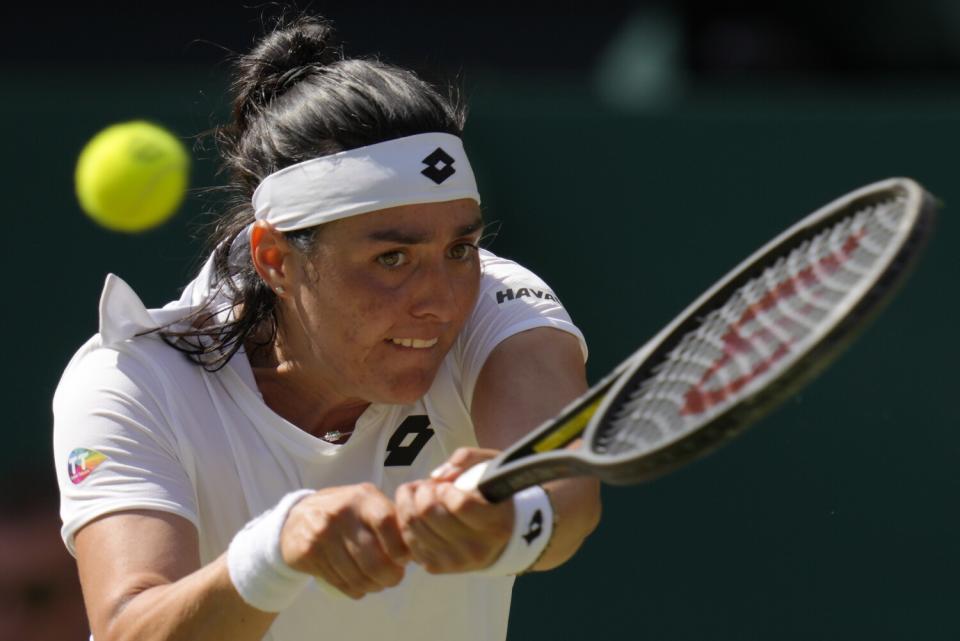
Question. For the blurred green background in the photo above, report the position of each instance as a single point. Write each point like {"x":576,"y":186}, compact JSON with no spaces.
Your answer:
{"x":631,"y":156}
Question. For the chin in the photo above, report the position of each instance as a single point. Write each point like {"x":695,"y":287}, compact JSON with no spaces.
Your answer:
{"x":408,"y":388}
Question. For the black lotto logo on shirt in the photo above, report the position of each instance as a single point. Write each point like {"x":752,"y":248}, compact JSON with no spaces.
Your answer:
{"x":439,"y":166}
{"x":408,"y":440}
{"x":535,"y":528}
{"x":505,"y":295}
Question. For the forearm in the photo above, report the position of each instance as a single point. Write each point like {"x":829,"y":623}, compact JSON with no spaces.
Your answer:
{"x":201,"y":605}
{"x":513,"y":396}
{"x":576,"y":505}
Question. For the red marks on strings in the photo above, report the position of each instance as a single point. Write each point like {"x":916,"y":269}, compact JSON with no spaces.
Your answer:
{"x":699,"y":399}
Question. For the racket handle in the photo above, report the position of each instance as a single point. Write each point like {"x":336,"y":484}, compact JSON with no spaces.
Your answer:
{"x":469,"y":480}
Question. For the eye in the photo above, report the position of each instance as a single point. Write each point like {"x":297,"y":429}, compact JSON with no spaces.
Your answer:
{"x":462,"y":251}
{"x":392,"y":259}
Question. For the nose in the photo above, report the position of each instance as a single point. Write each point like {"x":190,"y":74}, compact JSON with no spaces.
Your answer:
{"x":436,"y":292}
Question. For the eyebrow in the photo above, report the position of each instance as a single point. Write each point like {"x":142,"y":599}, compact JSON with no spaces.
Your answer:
{"x":403,"y":237}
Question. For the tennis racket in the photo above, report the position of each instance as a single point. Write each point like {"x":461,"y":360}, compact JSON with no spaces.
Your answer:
{"x":750,"y":341}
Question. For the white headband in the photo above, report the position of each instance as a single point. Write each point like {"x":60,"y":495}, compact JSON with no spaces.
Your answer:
{"x":425,"y":168}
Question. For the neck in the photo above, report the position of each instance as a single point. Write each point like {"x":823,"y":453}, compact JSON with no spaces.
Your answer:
{"x":300,"y":399}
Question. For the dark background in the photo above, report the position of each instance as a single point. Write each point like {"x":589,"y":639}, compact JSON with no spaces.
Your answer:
{"x":631,"y":153}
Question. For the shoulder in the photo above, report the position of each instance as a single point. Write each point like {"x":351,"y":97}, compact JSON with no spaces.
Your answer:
{"x":117,"y":441}
{"x":512,"y":299}
{"x":132,"y":400}
{"x":139,"y":369}
{"x":505,"y":280}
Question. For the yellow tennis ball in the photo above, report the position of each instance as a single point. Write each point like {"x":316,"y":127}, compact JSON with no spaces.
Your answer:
{"x":132,"y":176}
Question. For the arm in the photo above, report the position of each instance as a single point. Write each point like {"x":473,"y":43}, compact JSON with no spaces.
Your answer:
{"x":140,"y":568}
{"x":142,"y":578}
{"x":526,"y":379}
{"x":513,"y":395}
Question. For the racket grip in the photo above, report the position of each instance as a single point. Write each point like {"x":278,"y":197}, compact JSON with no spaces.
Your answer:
{"x":469,"y":480}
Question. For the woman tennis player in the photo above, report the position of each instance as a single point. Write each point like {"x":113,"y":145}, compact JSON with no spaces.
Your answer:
{"x":271,"y":456}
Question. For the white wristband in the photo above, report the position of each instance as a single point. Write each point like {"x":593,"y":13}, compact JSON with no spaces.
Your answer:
{"x":256,"y":566}
{"x":532,"y":529}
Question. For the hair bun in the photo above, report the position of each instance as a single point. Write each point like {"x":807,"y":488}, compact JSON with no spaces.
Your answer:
{"x":284,"y":56}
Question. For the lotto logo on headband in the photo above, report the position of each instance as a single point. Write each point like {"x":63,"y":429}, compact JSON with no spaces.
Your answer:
{"x":439,"y":166}
{"x":365,"y":179}
{"x":82,"y":462}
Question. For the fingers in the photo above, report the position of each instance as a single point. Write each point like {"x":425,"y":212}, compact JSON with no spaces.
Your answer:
{"x":451,"y":531}
{"x":348,"y":537}
{"x":384,"y":524}
{"x":460,"y":461}
{"x":358,"y":541}
{"x":331,"y":572}
{"x":420,"y":512}
{"x":363,"y":564}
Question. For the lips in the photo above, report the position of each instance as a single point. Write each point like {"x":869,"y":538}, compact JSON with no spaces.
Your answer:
{"x":415,"y":343}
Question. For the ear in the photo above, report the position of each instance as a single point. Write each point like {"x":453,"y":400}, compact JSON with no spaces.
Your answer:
{"x":269,"y":251}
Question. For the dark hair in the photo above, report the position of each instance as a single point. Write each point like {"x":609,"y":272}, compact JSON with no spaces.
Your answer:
{"x":296,"y":97}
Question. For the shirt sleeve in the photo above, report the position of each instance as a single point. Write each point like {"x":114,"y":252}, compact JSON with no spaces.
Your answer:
{"x":512,"y":300}
{"x":114,"y":447}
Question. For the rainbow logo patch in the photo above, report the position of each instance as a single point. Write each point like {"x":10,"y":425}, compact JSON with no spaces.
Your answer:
{"x":82,"y":462}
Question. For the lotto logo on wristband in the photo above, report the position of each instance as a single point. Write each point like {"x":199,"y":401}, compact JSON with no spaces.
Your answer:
{"x":532,"y":529}
{"x":82,"y":462}
{"x":535,"y":528}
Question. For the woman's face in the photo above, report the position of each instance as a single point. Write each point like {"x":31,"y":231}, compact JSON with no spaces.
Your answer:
{"x":374,"y":310}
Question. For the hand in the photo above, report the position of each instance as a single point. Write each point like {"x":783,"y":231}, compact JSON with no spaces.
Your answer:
{"x":448,"y":530}
{"x":347,"y":536}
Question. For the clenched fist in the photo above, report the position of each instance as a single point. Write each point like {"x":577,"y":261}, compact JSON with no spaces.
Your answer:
{"x":349,"y":537}
{"x":448,"y":530}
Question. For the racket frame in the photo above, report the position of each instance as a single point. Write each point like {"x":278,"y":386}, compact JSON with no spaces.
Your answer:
{"x":543,"y":454}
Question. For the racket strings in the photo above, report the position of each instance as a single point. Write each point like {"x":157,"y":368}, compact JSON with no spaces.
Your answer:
{"x":754,"y":335}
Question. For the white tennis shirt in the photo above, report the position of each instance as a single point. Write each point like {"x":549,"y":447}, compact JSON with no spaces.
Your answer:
{"x":138,"y":426}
